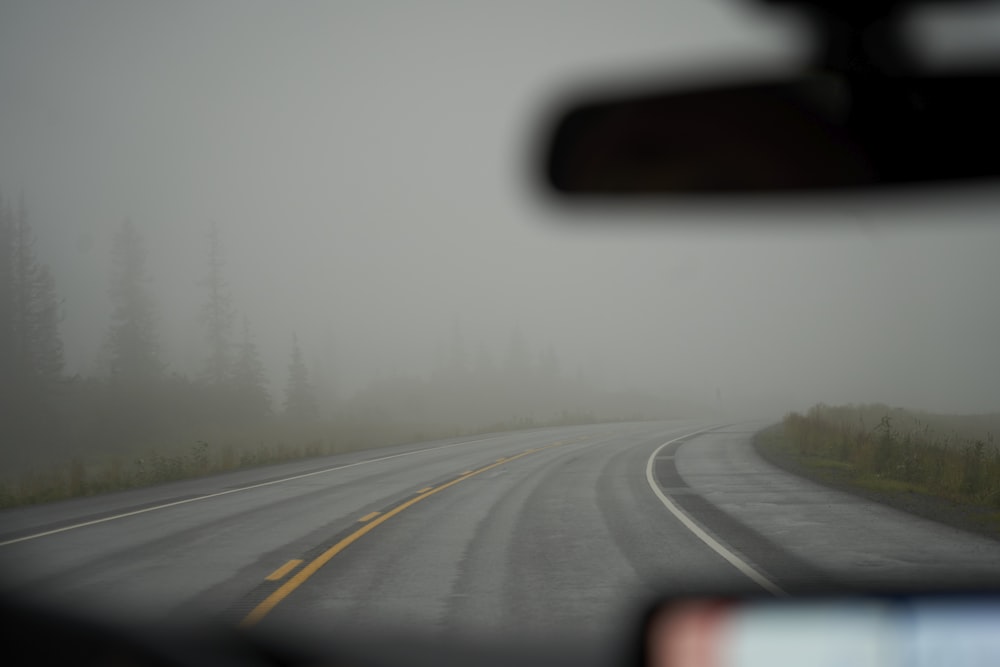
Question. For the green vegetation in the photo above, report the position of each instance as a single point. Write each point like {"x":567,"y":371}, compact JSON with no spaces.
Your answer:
{"x":80,"y":479}
{"x":897,"y":456}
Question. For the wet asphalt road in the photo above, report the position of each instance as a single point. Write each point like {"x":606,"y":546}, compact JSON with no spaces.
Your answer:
{"x":532,"y":534}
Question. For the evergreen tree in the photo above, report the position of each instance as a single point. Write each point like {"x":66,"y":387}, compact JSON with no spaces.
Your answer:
{"x":218,"y":314}
{"x":133,"y":343}
{"x":8,"y":349}
{"x":31,"y":352}
{"x":25,"y":269}
{"x":45,"y":353}
{"x":249,"y":381}
{"x":324,"y":387}
{"x":300,"y":400}
{"x":33,"y":320}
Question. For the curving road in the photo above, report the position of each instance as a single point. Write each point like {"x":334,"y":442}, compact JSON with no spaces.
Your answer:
{"x":531,"y":534}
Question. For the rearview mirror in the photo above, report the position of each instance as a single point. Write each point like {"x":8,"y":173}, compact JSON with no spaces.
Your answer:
{"x":821,"y":131}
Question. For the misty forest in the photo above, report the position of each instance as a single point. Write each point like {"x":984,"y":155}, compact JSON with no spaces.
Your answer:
{"x":137,"y":420}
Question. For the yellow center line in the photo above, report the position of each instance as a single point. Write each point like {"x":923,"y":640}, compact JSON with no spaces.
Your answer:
{"x":272,"y":600}
{"x":284,"y":569}
{"x":369,"y":516}
{"x":428,"y":488}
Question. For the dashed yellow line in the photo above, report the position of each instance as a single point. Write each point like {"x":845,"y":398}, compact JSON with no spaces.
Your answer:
{"x":311,"y":568}
{"x":283,"y":570}
{"x":369,"y":517}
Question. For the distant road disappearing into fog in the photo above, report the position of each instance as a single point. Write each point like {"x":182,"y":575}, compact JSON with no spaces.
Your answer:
{"x":558,"y":531}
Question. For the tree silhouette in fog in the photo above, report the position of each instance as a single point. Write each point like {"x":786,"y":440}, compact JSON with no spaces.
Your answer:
{"x":218,"y":314}
{"x":133,"y":342}
{"x":249,"y":380}
{"x":300,"y":399}
{"x":31,"y":349}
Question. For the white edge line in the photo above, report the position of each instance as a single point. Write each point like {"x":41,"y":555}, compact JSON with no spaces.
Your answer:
{"x":700,"y":533}
{"x":207,"y":496}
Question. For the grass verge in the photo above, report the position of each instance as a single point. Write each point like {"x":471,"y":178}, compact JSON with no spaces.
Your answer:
{"x":947,"y":480}
{"x":80,"y":477}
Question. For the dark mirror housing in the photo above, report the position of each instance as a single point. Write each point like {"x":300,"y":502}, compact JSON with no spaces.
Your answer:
{"x":861,"y":115}
{"x":821,"y":131}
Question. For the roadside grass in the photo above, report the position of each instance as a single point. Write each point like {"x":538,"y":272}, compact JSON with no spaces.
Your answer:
{"x":892,"y":485}
{"x":898,"y":460}
{"x":225,"y":451}
{"x":830,"y":464}
{"x":78,"y":478}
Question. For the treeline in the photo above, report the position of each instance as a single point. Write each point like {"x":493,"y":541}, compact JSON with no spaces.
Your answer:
{"x":34,"y":393}
{"x":474,"y":391}
{"x":134,"y":403}
{"x":137,"y":421}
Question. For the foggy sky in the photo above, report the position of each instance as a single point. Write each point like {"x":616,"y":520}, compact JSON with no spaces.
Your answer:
{"x":366,"y":164}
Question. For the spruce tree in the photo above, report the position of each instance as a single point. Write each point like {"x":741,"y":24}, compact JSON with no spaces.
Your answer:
{"x":300,"y":399}
{"x":249,"y":381}
{"x":218,"y":315}
{"x":133,"y":343}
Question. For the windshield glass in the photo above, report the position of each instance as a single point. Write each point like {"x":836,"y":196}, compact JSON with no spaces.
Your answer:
{"x":289,"y":336}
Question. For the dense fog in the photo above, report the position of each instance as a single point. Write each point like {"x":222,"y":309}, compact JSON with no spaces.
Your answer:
{"x":335,"y":199}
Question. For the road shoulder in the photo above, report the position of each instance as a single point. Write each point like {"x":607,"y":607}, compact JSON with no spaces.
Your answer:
{"x":851,"y":540}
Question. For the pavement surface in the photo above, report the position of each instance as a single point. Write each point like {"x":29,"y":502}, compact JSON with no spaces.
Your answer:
{"x":559,"y":532}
